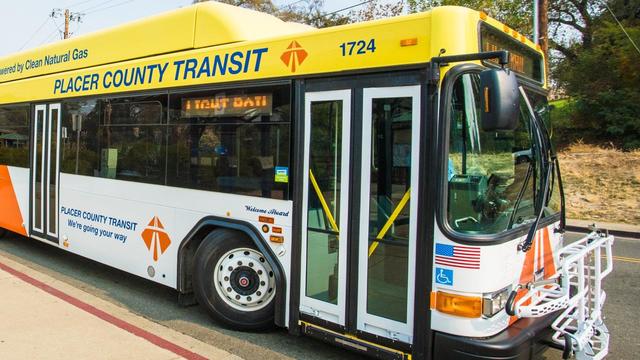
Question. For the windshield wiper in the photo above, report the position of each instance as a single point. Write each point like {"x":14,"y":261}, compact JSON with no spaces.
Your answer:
{"x":516,"y":206}
{"x":546,"y":167}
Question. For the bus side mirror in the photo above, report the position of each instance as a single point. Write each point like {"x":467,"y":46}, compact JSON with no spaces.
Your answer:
{"x":500,"y":100}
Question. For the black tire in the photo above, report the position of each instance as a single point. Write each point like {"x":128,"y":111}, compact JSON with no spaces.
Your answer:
{"x":3,"y":232}
{"x":214,"y":247}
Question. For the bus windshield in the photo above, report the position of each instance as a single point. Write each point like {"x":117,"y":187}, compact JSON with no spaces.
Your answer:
{"x":493,"y":177}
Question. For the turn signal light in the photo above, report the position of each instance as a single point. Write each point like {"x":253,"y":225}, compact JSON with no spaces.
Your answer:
{"x":458,"y":305}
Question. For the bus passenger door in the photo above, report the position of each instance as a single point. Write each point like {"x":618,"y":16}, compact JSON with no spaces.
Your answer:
{"x":359,"y":209}
{"x":324,"y":208}
{"x":45,"y":169}
{"x":388,"y":211}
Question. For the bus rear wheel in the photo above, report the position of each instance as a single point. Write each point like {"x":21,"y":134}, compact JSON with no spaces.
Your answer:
{"x":234,"y":281}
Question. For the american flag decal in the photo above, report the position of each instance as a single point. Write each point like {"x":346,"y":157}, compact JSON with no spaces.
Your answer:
{"x":466,"y":257}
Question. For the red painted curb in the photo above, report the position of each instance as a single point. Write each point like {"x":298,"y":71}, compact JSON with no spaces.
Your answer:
{"x":152,"y":338}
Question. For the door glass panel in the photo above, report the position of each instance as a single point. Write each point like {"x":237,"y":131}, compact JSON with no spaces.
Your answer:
{"x":53,"y":170}
{"x":323,"y":214}
{"x":389,"y":206}
{"x":37,"y":170}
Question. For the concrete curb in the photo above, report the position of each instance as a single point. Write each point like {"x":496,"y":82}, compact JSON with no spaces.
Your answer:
{"x":135,"y":323}
{"x":621,"y":230}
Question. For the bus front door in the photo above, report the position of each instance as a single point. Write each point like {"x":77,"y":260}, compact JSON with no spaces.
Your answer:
{"x":359,"y":223}
{"x":45,"y":169}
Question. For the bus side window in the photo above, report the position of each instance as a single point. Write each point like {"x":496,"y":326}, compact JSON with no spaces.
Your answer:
{"x":231,"y":141}
{"x":80,"y":148}
{"x":132,"y":139}
{"x":14,"y":135}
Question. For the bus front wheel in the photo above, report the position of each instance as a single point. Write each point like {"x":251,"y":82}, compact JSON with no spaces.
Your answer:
{"x":234,"y":281}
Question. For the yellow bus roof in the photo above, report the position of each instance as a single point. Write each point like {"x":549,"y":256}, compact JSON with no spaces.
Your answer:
{"x":201,"y":25}
{"x":213,"y":43}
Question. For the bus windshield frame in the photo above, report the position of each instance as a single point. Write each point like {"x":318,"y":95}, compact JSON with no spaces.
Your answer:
{"x":481,"y":192}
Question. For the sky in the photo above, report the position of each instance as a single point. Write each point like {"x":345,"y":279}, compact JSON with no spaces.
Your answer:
{"x":27,"y":23}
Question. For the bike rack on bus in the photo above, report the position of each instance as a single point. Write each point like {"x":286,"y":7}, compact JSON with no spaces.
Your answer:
{"x":576,"y":288}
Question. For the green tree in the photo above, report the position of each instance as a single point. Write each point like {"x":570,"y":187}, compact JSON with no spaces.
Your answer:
{"x":376,"y":10}
{"x":570,"y":21}
{"x":309,"y":12}
{"x":603,"y":78}
{"x":516,"y":14}
{"x":265,"y":6}
{"x":592,"y":60}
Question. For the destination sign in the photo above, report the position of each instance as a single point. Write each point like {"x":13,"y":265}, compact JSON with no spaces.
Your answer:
{"x":234,"y":105}
{"x":521,"y":59}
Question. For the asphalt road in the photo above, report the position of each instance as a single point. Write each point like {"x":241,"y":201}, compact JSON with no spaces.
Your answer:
{"x":159,"y":304}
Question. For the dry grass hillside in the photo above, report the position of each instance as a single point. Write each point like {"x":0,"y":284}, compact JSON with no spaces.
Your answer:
{"x":601,"y":184}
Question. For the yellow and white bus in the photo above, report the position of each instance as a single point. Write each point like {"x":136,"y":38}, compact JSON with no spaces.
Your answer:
{"x":386,"y":186}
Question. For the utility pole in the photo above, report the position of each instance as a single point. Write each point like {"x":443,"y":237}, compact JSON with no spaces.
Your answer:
{"x":536,"y":23}
{"x":68,"y":18}
{"x":543,"y":25}
{"x":541,"y":28}
{"x":66,"y":23}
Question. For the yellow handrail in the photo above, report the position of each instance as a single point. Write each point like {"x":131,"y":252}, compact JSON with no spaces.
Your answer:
{"x":323,"y":202}
{"x":392,"y":218}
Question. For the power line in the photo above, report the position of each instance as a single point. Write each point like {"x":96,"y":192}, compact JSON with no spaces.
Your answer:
{"x":46,"y":40}
{"x":290,"y":5}
{"x":57,"y":26}
{"x":95,"y":6}
{"x":347,"y":8}
{"x":80,"y":3}
{"x":622,"y":27}
{"x":109,"y":7}
{"x":34,"y":33}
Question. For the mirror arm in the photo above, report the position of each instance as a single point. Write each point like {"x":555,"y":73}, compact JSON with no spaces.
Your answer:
{"x":439,"y":61}
{"x":502,"y":56}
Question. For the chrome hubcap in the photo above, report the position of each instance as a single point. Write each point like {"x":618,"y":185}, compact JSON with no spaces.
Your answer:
{"x":244,"y":279}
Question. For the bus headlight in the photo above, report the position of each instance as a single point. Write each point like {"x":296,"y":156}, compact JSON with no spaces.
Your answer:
{"x":493,"y":303}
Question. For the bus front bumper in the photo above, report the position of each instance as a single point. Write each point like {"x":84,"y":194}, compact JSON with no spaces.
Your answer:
{"x":525,"y":339}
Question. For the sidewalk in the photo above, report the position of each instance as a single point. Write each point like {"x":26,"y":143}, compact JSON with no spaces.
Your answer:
{"x":43,"y":318}
{"x":622,"y":230}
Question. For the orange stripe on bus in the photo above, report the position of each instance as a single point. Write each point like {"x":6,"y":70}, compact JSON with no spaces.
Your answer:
{"x":549,"y":262}
{"x":10,"y":215}
{"x":542,"y":252}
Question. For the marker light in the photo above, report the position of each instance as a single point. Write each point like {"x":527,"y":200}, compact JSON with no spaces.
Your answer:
{"x":458,"y":305}
{"x":487,"y":94}
{"x":493,"y":303}
{"x":266,"y":219}
{"x":409,"y":42}
{"x":276,"y":239}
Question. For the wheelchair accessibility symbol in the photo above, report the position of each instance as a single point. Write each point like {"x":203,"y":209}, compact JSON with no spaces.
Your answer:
{"x":444,"y":276}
